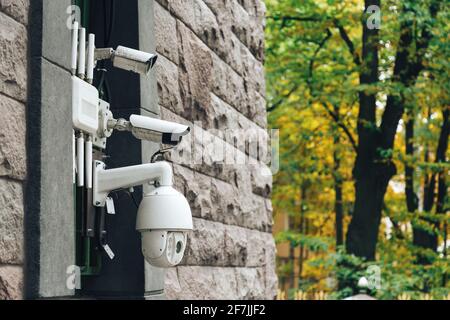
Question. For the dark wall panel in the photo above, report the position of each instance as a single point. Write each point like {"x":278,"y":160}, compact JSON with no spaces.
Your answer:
{"x":124,"y":275}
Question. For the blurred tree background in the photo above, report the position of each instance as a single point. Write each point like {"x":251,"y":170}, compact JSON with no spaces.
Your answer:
{"x":360,"y":93}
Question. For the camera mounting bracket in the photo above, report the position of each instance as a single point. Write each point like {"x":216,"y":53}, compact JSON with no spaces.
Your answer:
{"x":106,"y":181}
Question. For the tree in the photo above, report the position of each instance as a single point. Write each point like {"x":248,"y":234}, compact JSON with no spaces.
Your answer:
{"x":351,"y":102}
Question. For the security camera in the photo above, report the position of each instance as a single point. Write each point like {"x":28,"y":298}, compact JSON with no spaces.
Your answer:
{"x":133,"y":60}
{"x":164,"y":216}
{"x":146,"y":128}
{"x":128,"y":59}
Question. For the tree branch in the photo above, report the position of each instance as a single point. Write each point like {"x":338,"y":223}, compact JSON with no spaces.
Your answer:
{"x":333,"y":115}
{"x":406,"y":70}
{"x":294,"y":18}
{"x":316,"y":52}
{"x":311,"y":66}
{"x":341,"y":125}
{"x":283,"y":98}
{"x":348,"y":42}
{"x":440,"y":157}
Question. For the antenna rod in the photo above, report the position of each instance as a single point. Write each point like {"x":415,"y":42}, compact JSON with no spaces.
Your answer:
{"x":74,"y":48}
{"x":82,"y":54}
{"x":91,"y":58}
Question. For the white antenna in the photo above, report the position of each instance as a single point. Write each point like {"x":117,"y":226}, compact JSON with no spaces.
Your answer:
{"x":88,"y":165}
{"x":82,"y":54}
{"x":74,"y":47}
{"x":80,"y":160}
{"x":90,"y":58}
{"x":74,"y":157}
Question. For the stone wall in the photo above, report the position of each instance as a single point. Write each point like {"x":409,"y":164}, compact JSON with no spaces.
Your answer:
{"x":210,"y":73}
{"x":13,"y":171}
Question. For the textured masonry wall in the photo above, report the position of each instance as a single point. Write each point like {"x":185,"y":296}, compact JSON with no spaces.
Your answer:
{"x":211,"y":70}
{"x":13,"y":95}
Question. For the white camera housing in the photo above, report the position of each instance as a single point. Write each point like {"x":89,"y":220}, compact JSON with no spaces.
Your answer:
{"x":163,"y":248}
{"x":164,"y":217}
{"x":166,"y":132}
{"x":128,"y":59}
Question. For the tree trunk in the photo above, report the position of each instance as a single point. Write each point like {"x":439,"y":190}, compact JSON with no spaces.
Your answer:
{"x":412,"y":201}
{"x":338,"y":201}
{"x":373,"y":166}
{"x":292,"y":226}
{"x":302,"y":230}
{"x":369,"y":189}
{"x":338,"y":207}
{"x":423,"y":238}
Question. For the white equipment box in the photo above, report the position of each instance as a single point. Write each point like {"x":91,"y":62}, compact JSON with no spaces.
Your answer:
{"x":85,"y":104}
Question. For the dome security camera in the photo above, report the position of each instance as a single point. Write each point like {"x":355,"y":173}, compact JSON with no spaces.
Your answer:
{"x":164,"y":216}
{"x":163,"y":219}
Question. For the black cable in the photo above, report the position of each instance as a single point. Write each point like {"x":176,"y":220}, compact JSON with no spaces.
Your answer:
{"x":159,"y":153}
{"x":134,"y":199}
{"x":115,"y":193}
{"x":107,"y":90}
{"x":108,"y":31}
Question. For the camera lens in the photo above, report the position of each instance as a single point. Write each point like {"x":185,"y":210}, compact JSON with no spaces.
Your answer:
{"x":179,"y":246}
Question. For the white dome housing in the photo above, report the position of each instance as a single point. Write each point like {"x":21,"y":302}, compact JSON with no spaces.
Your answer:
{"x":164,"y":217}
{"x":164,"y":208}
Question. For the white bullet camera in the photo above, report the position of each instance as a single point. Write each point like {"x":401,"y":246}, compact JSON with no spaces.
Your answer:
{"x":128,"y":59}
{"x":164,"y":216}
{"x":166,"y":132}
{"x":151,"y":129}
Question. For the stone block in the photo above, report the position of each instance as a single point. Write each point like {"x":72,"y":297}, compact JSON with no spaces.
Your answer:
{"x":201,"y":283}
{"x":195,"y":73}
{"x":216,"y":244}
{"x":271,"y":279}
{"x":236,"y":246}
{"x":11,"y":222}
{"x":18,"y":9}
{"x":251,"y":283}
{"x":13,"y":156}
{"x":256,"y":247}
{"x":167,"y":84}
{"x":183,"y":10}
{"x":206,"y":244}
{"x":261,"y":180}
{"x":257,"y":109}
{"x":253,"y":72}
{"x":165,"y":31}
{"x":254,"y":33}
{"x":229,"y":85}
{"x":216,"y":283}
{"x":11,"y":282}
{"x":13,"y":58}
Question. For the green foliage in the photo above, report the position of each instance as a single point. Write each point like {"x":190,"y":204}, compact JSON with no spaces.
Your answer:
{"x":298,"y":239}
{"x":312,"y":90}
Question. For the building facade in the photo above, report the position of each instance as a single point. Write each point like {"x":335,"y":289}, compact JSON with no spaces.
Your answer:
{"x":209,"y":75}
